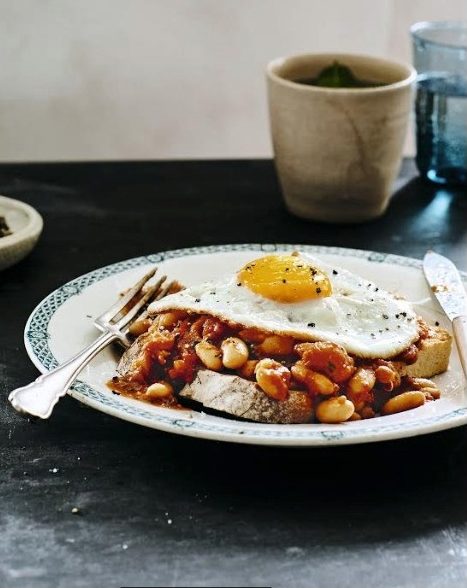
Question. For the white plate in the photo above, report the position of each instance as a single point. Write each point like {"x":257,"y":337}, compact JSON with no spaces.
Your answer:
{"x":62,"y":324}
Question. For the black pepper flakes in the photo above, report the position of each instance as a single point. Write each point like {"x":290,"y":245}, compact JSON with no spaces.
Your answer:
{"x":284,"y":281}
{"x":385,"y":316}
{"x":437,"y":324}
{"x":239,"y":283}
{"x":197,"y":299}
{"x":335,"y":272}
{"x":318,"y":290}
{"x":311,"y":325}
{"x":4,"y":228}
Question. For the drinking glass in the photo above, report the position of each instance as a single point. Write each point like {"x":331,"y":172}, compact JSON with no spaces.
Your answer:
{"x":440,"y":58}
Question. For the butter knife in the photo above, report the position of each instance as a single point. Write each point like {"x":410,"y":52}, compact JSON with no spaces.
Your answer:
{"x":446,"y":284}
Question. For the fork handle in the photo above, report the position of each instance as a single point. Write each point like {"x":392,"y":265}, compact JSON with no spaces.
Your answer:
{"x":38,"y":398}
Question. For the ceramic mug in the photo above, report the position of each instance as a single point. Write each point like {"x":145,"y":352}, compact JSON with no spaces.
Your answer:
{"x":338,"y":150}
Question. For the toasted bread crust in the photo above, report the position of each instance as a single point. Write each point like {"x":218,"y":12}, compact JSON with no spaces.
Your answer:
{"x":244,"y":399}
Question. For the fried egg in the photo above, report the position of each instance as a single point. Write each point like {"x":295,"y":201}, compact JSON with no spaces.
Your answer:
{"x":309,"y":299}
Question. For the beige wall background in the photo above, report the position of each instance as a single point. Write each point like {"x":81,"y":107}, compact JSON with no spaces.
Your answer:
{"x":146,"y":79}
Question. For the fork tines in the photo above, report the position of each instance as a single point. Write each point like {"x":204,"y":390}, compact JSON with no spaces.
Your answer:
{"x":142,"y":303}
{"x":119,"y":306}
{"x":132,"y":306}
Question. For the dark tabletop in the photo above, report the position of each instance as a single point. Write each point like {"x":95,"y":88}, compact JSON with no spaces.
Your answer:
{"x":161,"y":510}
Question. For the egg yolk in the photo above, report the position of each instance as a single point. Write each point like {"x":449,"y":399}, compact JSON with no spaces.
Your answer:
{"x":284,"y":278}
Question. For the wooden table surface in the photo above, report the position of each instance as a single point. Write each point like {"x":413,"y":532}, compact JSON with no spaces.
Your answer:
{"x":386,"y":515}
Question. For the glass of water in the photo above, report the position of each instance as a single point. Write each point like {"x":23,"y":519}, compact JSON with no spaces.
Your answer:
{"x":440,"y":58}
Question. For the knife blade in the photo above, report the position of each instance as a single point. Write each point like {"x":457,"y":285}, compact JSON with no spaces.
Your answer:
{"x":446,"y":284}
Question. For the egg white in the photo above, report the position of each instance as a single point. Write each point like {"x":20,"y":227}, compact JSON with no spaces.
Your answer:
{"x":366,"y":320}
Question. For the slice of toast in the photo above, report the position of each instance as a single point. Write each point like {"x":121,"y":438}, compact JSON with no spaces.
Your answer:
{"x":242,"y":398}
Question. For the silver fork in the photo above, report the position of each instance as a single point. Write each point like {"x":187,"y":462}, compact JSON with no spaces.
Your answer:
{"x":39,"y":398}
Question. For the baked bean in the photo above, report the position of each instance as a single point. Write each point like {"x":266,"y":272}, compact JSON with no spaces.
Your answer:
{"x":210,"y":355}
{"x":384,"y":374}
{"x":248,"y":369}
{"x":334,"y":410}
{"x":431,"y":393}
{"x":316,"y":383}
{"x":421,"y":383}
{"x":404,"y":401}
{"x":159,"y":390}
{"x":234,"y":353}
{"x":360,"y":386}
{"x":435,"y":393}
{"x":362,"y":381}
{"x":428,"y":387}
{"x":300,"y":372}
{"x":273,"y":378}
{"x":321,"y":384}
{"x":276,"y":345}
{"x":139,"y":327}
{"x":388,"y":376}
{"x":168,"y":319}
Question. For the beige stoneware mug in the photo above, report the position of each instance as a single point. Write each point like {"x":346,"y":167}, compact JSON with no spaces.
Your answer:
{"x":338,"y":150}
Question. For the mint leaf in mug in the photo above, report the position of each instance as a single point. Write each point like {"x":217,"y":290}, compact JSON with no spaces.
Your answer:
{"x":338,"y":75}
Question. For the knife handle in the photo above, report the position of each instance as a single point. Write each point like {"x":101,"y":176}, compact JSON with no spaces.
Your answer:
{"x":459,"y":325}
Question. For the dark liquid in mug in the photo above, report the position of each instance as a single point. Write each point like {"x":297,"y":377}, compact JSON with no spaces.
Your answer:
{"x":356,"y":83}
